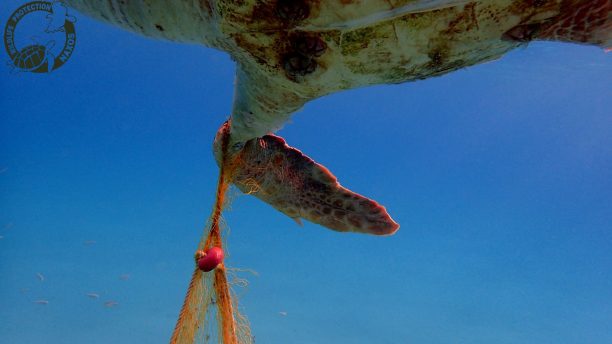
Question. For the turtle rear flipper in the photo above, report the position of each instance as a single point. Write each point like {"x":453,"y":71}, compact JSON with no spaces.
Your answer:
{"x":299,"y":187}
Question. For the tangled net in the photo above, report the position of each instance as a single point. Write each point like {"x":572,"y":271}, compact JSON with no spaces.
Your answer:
{"x":210,"y":312}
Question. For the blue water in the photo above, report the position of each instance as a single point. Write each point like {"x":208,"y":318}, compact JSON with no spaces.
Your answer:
{"x":500,"y":176}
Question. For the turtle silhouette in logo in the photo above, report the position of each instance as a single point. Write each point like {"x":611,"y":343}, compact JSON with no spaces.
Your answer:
{"x":35,"y":58}
{"x":289,"y":52}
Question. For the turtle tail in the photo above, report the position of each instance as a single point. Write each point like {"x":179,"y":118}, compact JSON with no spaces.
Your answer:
{"x":297,"y":186}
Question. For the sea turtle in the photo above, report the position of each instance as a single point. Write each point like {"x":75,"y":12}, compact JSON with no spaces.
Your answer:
{"x":35,"y":57}
{"x":292,"y":51}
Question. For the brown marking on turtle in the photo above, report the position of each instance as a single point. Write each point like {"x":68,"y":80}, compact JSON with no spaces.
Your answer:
{"x":580,"y":24}
{"x":466,"y":20}
{"x":292,"y":11}
{"x":576,"y":21}
{"x":308,"y":44}
{"x":298,"y":66}
{"x":206,"y":7}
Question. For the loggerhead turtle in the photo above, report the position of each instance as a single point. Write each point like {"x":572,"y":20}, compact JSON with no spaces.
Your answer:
{"x":292,"y":51}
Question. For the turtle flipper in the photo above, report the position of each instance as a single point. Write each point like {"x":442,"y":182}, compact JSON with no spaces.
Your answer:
{"x":299,"y":187}
{"x":579,"y":21}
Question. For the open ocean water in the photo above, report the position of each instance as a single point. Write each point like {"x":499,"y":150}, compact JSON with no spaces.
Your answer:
{"x":500,"y":176}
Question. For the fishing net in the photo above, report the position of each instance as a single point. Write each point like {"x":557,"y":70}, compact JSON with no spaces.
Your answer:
{"x":210,"y":312}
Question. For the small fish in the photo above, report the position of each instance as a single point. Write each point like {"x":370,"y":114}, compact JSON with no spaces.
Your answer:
{"x":40,"y":276}
{"x":283,"y":313}
{"x":89,"y":242}
{"x":124,"y":277}
{"x":93,"y":295}
{"x":24,"y":290}
{"x":1,"y":237}
{"x":41,"y":302}
{"x":110,"y":304}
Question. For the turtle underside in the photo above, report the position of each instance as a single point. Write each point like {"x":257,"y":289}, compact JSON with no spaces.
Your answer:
{"x":289,"y":52}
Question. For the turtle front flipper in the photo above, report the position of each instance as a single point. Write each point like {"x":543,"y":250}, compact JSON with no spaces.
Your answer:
{"x":299,"y":187}
{"x":578,"y":21}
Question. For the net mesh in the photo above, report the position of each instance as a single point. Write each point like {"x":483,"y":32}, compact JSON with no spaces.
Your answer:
{"x":210,"y":312}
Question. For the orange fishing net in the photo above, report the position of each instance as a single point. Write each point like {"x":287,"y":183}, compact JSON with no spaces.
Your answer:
{"x":209,"y":313}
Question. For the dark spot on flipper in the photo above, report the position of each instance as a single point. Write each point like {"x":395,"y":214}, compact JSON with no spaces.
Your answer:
{"x":159,"y":27}
{"x":292,"y":10}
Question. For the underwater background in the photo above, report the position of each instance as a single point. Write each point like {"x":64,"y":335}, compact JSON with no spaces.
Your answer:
{"x":500,"y":176}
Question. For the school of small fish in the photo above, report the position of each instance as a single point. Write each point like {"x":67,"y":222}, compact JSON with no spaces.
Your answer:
{"x":42,"y":278}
